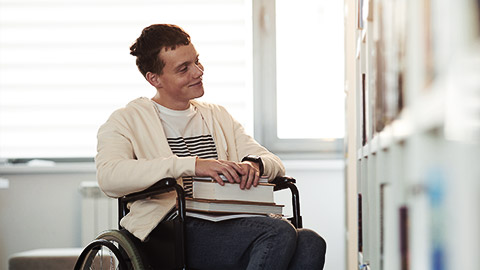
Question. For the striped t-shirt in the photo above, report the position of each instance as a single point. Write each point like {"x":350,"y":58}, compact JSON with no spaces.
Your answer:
{"x":187,"y":135}
{"x":202,"y":146}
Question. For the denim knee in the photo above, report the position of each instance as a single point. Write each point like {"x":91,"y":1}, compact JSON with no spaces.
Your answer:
{"x":285,"y":232}
{"x":312,"y":239}
{"x":310,"y":253}
{"x":275,"y":247}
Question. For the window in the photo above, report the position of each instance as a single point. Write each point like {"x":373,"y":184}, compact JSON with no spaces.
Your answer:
{"x":65,"y":66}
{"x":298,"y":75}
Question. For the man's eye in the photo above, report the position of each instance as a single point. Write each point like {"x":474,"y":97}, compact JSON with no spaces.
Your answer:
{"x":184,"y":69}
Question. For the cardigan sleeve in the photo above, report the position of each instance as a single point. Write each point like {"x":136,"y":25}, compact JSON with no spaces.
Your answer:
{"x":127,"y":162}
{"x":246,"y":145}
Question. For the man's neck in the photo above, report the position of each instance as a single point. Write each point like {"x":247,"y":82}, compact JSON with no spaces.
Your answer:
{"x":177,"y":106}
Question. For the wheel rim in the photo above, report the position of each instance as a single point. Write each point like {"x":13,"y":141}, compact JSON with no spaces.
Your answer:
{"x":111,"y":250}
{"x":102,"y":254}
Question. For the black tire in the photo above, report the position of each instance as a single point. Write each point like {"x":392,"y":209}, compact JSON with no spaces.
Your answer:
{"x":122,"y":253}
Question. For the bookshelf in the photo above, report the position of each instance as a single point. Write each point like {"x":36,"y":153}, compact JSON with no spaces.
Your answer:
{"x":413,"y":134}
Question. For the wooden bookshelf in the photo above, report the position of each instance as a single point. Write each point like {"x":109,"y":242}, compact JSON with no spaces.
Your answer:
{"x":413,"y":128}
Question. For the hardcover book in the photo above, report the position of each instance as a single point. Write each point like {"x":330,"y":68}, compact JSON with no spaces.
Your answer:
{"x":232,"y":207}
{"x":206,"y":188}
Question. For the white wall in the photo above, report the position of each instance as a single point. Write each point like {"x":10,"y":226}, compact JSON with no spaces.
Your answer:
{"x":40,"y":210}
{"x":322,"y":204}
{"x":41,"y":207}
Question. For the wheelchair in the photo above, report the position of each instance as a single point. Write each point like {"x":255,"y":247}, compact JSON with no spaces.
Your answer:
{"x":119,"y":249}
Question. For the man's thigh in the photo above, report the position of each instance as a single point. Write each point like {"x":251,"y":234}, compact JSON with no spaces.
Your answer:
{"x":227,"y":244}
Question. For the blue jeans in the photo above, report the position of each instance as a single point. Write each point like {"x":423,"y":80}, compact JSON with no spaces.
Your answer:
{"x":252,"y":243}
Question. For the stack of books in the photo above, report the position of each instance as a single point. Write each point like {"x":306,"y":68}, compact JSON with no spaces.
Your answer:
{"x":209,"y":200}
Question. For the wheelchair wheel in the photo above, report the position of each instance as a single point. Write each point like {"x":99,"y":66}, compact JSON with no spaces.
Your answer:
{"x":111,"y":250}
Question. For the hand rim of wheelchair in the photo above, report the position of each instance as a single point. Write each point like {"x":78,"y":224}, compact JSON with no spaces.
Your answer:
{"x":127,"y":256}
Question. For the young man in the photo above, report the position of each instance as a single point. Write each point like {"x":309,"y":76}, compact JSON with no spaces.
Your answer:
{"x":173,"y":135}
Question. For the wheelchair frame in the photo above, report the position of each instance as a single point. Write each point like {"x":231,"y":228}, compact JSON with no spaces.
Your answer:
{"x":128,"y":254}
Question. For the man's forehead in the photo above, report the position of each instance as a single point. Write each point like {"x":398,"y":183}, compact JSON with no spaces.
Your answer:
{"x":178,"y":55}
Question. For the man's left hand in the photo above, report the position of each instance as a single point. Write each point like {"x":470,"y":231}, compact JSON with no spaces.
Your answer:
{"x":250,"y":175}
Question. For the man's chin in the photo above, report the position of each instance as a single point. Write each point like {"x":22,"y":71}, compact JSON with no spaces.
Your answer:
{"x":200,"y":94}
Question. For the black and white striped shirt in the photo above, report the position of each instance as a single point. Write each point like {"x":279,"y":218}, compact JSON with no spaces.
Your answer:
{"x":202,"y":146}
{"x":187,"y":135}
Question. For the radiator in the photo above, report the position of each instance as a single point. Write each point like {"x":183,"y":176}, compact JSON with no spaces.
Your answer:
{"x":99,"y":212}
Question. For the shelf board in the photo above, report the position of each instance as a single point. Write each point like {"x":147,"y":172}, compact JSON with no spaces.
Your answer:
{"x":426,"y":114}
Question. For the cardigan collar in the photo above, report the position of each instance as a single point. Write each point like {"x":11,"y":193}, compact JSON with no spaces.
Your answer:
{"x":207,"y":114}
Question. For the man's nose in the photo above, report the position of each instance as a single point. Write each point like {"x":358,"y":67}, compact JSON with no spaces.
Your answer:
{"x":198,"y":70}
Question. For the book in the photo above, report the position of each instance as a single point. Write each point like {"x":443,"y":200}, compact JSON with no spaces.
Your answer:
{"x":263,"y":179}
{"x":360,"y":221}
{"x":206,"y":188}
{"x":404,"y":225}
{"x":219,"y":217}
{"x":232,"y":207}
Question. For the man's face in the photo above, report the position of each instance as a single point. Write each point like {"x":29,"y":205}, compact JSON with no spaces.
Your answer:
{"x":181,"y":79}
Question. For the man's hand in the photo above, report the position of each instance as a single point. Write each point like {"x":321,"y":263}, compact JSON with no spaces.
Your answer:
{"x":245,"y":173}
{"x":251,"y":175}
{"x":213,"y":168}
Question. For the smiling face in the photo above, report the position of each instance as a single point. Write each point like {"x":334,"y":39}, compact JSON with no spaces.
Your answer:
{"x":181,"y":78}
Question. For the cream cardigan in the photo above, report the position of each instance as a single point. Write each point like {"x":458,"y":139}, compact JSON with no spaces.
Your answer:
{"x":133,"y":154}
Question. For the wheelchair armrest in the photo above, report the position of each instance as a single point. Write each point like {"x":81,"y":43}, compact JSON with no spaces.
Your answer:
{"x":162,"y":186}
{"x":283,"y":182}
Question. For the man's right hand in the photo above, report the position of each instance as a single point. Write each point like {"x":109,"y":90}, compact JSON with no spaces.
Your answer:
{"x":213,"y":168}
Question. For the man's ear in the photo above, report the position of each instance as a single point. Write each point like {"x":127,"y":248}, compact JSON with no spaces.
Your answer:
{"x":153,"y":79}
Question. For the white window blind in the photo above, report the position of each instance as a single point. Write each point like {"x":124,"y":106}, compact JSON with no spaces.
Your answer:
{"x":65,"y":66}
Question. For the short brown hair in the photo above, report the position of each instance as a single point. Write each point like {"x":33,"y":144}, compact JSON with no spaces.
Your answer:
{"x":152,"y":40}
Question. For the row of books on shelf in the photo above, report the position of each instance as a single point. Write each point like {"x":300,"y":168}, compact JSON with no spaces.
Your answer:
{"x":382,"y":82}
{"x":212,"y":201}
